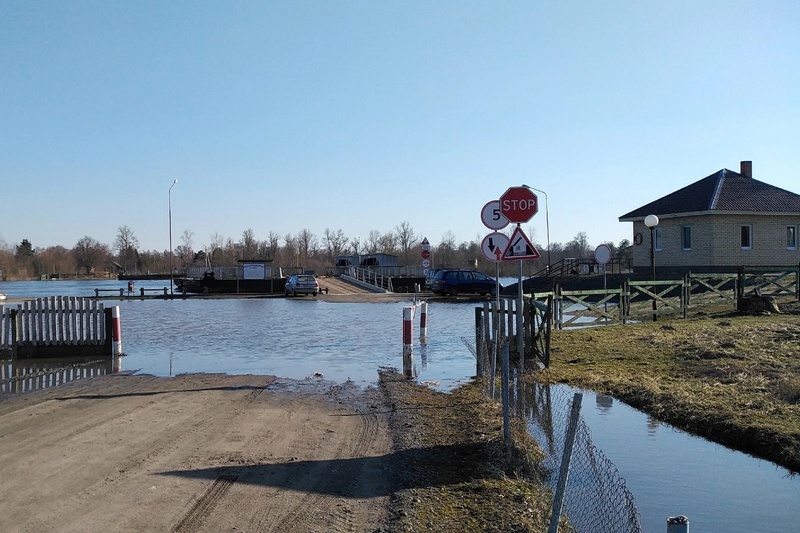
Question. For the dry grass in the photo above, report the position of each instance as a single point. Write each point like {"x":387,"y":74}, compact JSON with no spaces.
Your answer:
{"x":732,"y":378}
{"x":458,"y":475}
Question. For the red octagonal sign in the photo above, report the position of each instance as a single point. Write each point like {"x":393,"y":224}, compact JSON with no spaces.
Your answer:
{"x":519,"y":204}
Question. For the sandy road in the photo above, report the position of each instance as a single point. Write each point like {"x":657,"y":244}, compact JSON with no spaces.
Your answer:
{"x":194,"y":453}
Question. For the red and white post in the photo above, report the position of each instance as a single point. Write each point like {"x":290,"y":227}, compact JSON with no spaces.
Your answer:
{"x":423,"y":320}
{"x":116,"y":332}
{"x":408,"y":342}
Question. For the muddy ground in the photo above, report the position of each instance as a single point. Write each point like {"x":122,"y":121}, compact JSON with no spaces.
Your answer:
{"x":213,"y":452}
{"x":194,"y":453}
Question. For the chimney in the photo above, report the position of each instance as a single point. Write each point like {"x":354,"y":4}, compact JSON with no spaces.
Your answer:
{"x":746,"y":169}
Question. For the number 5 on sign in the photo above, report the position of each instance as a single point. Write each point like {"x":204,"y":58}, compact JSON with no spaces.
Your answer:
{"x":492,"y":217}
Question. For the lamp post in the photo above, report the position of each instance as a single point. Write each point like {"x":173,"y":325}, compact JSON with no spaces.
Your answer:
{"x":171,"y":281}
{"x":546,"y":221}
{"x":651,"y":221}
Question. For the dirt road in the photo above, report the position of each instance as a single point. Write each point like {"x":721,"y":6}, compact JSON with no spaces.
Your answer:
{"x":194,"y":453}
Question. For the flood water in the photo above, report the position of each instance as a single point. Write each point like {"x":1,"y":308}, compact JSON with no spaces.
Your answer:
{"x":288,"y":337}
{"x":671,"y":473}
{"x":668,"y":471}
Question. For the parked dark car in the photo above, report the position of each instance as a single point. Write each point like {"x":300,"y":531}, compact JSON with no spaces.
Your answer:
{"x":457,"y":281}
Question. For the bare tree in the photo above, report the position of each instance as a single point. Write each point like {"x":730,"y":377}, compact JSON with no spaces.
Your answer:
{"x":273,"y":244}
{"x":57,"y":259}
{"x":445,"y":251}
{"x":406,"y":238}
{"x":126,"y":245}
{"x":186,"y":253}
{"x":579,"y":246}
{"x":89,"y":252}
{"x":373,"y":243}
{"x":290,"y":254}
{"x":355,"y":246}
{"x":249,"y":244}
{"x":388,"y":243}
{"x":306,"y":242}
{"x":334,"y":242}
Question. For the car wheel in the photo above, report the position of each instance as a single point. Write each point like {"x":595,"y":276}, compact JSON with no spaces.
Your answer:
{"x":453,"y":292}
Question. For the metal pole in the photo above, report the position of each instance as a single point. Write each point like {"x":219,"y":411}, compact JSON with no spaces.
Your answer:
{"x":546,"y":220}
{"x":171,"y":281}
{"x":504,"y":393}
{"x":569,"y":443}
{"x":653,"y":268}
{"x":520,"y":321}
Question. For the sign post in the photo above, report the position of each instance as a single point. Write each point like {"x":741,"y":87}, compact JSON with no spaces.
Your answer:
{"x":518,"y":205}
{"x":425,"y":246}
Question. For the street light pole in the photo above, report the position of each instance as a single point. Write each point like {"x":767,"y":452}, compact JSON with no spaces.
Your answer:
{"x":171,"y":281}
{"x":546,"y":220}
{"x":651,"y":221}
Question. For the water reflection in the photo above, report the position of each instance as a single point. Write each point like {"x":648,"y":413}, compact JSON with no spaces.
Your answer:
{"x":668,"y":472}
{"x":28,"y":375}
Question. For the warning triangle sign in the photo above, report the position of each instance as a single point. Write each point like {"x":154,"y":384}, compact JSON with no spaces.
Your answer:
{"x":520,"y":247}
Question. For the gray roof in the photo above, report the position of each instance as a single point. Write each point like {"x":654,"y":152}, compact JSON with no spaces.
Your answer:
{"x":723,"y":191}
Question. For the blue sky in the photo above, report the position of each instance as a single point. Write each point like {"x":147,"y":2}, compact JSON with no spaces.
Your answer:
{"x":351,"y":115}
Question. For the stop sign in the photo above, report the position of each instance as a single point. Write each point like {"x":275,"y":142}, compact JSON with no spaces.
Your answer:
{"x":519,"y":204}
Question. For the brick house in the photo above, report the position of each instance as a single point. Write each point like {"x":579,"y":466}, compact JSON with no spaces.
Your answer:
{"x":722,"y":222}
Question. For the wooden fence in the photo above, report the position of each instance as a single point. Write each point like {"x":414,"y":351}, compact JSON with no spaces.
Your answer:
{"x":57,"y":326}
{"x":634,"y":301}
{"x":648,"y":300}
{"x":495,"y":324}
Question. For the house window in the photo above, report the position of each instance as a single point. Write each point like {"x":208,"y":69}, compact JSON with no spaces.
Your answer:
{"x":686,"y":237}
{"x":747,"y":237}
{"x":791,"y":237}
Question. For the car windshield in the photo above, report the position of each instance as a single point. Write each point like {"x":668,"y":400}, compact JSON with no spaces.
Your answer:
{"x":305,"y":278}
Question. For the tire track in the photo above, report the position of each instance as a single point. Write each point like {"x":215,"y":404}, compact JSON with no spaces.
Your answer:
{"x":193,"y":519}
{"x":326,"y":489}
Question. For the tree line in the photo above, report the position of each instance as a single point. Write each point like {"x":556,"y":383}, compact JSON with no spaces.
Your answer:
{"x":304,"y":250}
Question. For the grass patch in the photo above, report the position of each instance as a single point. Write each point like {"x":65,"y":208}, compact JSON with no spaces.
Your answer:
{"x":457,"y":474}
{"x":734,"y":379}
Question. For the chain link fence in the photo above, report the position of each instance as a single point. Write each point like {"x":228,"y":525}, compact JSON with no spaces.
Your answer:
{"x":596,"y":497}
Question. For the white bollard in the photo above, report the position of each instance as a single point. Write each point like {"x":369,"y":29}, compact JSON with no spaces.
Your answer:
{"x":116,"y":332}
{"x":423,"y":320}
{"x":408,"y":342}
{"x":677,"y":524}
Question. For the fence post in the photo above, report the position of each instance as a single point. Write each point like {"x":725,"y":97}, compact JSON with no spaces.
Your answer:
{"x":677,"y":524}
{"x":569,"y":442}
{"x":739,"y":285}
{"x":685,"y":293}
{"x":547,"y":323}
{"x":16,"y":332}
{"x":408,"y":342}
{"x":479,"y":348}
{"x":797,"y":282}
{"x":504,"y":392}
{"x":625,"y":301}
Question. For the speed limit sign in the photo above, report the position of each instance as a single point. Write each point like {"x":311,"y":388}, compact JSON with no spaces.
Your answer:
{"x":492,"y":217}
